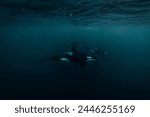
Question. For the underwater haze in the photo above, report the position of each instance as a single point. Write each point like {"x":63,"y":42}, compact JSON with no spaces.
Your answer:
{"x":33,"y":29}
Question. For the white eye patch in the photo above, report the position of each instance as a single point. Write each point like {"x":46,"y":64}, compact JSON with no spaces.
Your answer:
{"x":64,"y":59}
{"x":70,"y":53}
{"x":89,"y":57}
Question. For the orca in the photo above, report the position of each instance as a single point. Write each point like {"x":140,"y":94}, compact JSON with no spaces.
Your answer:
{"x":73,"y":56}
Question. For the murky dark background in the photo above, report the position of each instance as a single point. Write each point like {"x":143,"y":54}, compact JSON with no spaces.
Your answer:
{"x":33,"y":29}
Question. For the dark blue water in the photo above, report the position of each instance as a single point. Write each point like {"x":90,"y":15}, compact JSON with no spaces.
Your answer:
{"x":31,"y":30}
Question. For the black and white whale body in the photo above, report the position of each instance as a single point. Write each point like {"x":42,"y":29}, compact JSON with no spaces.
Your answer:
{"x":73,"y":56}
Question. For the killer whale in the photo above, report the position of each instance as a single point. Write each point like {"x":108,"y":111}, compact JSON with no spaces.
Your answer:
{"x":73,"y":56}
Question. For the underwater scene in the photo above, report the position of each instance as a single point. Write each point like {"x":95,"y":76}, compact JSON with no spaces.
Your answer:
{"x":75,"y":49}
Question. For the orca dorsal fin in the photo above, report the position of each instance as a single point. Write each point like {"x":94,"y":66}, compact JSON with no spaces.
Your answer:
{"x":74,"y":46}
{"x":73,"y":49}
